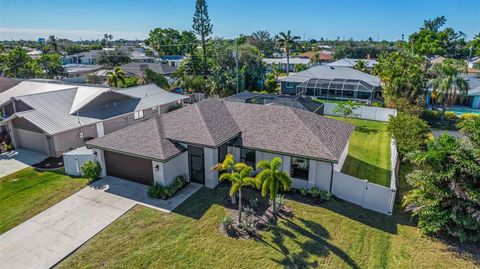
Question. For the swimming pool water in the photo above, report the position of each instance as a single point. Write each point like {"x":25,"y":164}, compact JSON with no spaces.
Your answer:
{"x":463,"y":110}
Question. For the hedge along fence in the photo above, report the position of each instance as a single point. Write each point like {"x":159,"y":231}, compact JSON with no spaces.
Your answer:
{"x":368,"y":195}
{"x":364,"y":112}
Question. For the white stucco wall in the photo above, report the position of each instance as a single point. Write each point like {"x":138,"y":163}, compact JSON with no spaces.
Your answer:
{"x":169,"y":170}
{"x":100,"y":158}
{"x":211,"y":176}
{"x":338,"y":166}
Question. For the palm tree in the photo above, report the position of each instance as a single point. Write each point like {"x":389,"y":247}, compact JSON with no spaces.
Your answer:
{"x":316,"y":59}
{"x":228,"y":165}
{"x":270,"y":179}
{"x":239,"y":180}
{"x":262,"y":40}
{"x":447,"y":83}
{"x":360,"y":65}
{"x":276,"y":70}
{"x":116,"y":75}
{"x":286,"y":41}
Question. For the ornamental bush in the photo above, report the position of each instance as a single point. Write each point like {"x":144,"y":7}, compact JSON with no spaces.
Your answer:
{"x":91,"y":170}
{"x":410,"y":132}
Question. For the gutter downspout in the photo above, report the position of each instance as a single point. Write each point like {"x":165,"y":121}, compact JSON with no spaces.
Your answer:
{"x":331,"y":180}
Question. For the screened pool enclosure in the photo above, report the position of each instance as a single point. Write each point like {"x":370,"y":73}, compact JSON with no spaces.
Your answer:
{"x":350,"y":89}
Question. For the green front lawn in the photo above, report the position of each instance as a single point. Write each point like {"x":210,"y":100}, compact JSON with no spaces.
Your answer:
{"x":27,"y":192}
{"x":335,"y":235}
{"x":369,"y":152}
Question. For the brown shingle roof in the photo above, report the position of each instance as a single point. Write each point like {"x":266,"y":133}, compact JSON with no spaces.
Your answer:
{"x":211,"y":123}
{"x":144,"y":139}
{"x":7,"y":83}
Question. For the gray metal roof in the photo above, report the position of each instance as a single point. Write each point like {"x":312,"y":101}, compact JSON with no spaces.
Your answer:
{"x":139,"y":68}
{"x":212,"y":122}
{"x":55,"y":111}
{"x":348,"y":62}
{"x":331,"y":73}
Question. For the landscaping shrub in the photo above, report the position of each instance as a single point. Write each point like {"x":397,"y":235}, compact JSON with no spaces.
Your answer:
{"x":449,"y":115}
{"x":303,"y":191}
{"x":325,"y":195}
{"x":165,"y":192}
{"x":253,"y":202}
{"x":91,"y":170}
{"x":410,"y":132}
{"x":279,"y":201}
{"x":314,"y":192}
{"x":227,"y":221}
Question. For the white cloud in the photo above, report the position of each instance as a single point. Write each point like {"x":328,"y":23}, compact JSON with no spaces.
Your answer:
{"x":34,"y":34}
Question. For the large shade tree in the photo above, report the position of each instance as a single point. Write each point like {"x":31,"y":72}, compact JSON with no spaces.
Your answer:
{"x":286,"y":41}
{"x":271,"y":178}
{"x":403,"y":76}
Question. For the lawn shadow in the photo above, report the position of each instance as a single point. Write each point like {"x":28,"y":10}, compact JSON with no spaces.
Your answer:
{"x":363,"y":170}
{"x":365,"y":129}
{"x":315,"y":246}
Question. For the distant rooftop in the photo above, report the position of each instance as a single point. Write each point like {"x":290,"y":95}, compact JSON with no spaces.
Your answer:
{"x":284,"y":60}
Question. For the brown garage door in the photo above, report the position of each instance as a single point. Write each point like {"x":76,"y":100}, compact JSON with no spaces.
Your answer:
{"x":128,"y":167}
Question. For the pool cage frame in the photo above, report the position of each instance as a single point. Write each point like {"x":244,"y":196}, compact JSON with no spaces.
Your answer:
{"x":338,"y":89}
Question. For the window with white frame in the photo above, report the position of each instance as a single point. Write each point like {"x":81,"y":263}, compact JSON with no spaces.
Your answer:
{"x":299,"y":168}
{"x":138,"y":114}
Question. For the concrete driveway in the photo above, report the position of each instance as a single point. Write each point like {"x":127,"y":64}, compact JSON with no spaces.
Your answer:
{"x":16,"y":160}
{"x":49,"y":237}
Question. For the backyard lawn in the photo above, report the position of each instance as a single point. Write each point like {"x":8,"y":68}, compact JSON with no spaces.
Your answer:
{"x":335,"y":235}
{"x":369,"y":152}
{"x":27,"y":192}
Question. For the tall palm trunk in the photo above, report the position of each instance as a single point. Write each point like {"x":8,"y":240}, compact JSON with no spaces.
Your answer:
{"x":288,"y":59}
{"x":233,"y":199}
{"x":240,"y":205}
{"x":274,"y":208}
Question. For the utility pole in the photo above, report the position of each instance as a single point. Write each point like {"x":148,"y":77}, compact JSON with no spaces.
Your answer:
{"x":236,"y":60}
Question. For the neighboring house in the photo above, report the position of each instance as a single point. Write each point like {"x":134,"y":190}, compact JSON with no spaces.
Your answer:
{"x":138,"y":69}
{"x":474,"y":63}
{"x":34,"y":54}
{"x":300,"y":102}
{"x":191,"y":140}
{"x":347,"y":62}
{"x":283,"y":63}
{"x":55,"y":118}
{"x":77,"y":73}
{"x":436,"y":60}
{"x":172,"y":60}
{"x":88,"y":57}
{"x":474,"y":92}
{"x":325,"y":56}
{"x":140,"y":57}
{"x":336,"y":83}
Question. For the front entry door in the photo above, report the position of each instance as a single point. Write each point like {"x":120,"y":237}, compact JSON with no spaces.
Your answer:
{"x":196,"y":163}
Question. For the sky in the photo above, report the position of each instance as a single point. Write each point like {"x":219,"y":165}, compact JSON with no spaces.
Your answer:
{"x":309,"y":19}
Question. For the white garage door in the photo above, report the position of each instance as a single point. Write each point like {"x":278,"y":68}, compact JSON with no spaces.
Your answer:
{"x":31,"y":140}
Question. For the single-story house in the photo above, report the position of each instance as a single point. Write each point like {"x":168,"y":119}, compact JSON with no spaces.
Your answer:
{"x":53,"y":118}
{"x":330,"y":82}
{"x":172,"y":60}
{"x":323,"y":56}
{"x":283,"y":63}
{"x":473,"y":99}
{"x":300,"y":102}
{"x":140,"y":57}
{"x":138,"y":69}
{"x":87,"y":57}
{"x":190,"y":140}
{"x":77,"y":73}
{"x":347,"y":62}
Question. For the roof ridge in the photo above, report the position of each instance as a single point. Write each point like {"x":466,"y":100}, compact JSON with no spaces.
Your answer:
{"x":294,"y":110}
{"x":204,"y":121}
{"x":38,"y":93}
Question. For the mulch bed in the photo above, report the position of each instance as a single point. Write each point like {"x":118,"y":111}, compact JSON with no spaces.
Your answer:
{"x":262,"y":218}
{"x":50,"y":163}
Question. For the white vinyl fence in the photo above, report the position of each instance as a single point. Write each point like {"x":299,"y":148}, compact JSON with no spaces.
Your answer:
{"x":74,"y":160}
{"x":368,"y":195}
{"x":364,"y":112}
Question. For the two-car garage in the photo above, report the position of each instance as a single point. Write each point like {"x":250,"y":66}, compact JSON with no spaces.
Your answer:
{"x":128,"y":167}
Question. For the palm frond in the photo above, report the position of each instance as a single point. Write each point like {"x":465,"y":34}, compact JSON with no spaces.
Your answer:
{"x":263,"y":164}
{"x":224,"y":176}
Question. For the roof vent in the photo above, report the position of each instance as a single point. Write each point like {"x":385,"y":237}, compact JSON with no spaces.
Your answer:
{"x":331,"y":67}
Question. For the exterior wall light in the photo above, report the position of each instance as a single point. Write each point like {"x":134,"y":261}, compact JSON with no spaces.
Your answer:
{"x":95,"y":153}
{"x":157,"y":167}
